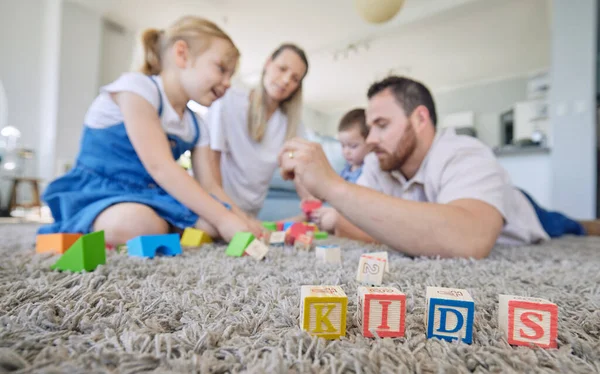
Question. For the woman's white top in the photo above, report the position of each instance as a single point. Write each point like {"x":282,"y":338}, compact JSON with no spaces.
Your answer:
{"x":246,"y":166}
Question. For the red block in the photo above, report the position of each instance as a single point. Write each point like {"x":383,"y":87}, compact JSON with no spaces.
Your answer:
{"x":382,"y":309}
{"x":528,"y":321}
{"x":309,"y":205}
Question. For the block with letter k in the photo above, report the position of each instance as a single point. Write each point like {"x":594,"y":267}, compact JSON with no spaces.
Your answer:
{"x":449,"y":314}
{"x":323,"y":311}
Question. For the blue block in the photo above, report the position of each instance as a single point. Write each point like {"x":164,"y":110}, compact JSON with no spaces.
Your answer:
{"x":455,"y":319}
{"x":287,"y":225}
{"x":151,"y":245}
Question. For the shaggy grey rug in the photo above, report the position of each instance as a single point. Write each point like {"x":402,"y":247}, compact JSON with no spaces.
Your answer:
{"x":205,"y":312}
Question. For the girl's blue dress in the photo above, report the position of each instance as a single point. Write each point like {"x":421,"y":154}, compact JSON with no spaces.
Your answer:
{"x":108,"y":171}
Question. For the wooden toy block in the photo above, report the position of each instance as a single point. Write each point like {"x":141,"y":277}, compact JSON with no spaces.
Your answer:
{"x":55,"y":243}
{"x":194,"y":238}
{"x":329,"y":253}
{"x":370,"y":270}
{"x":239,"y":243}
{"x":280,"y":226}
{"x":297,"y":229}
{"x":308,"y":206}
{"x":449,"y":314}
{"x":320,"y":235}
{"x":86,"y":253}
{"x":152,"y":245}
{"x":323,"y":311}
{"x":277,"y":238}
{"x":528,"y":321}
{"x":383,"y":310}
{"x":257,"y":249}
{"x":287,"y":225}
{"x":271,"y":226}
{"x":303,"y":243}
{"x":383,"y":255}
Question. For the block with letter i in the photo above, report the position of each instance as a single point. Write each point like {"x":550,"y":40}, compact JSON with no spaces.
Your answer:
{"x":528,"y":321}
{"x":449,"y":314}
{"x":323,"y":311}
{"x":383,"y":310}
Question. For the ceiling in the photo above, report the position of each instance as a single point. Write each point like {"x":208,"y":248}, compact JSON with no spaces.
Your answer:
{"x":441,"y":42}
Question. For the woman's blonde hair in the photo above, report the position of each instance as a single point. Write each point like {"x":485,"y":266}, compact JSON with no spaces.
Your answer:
{"x":291,"y":107}
{"x":196,"y":32}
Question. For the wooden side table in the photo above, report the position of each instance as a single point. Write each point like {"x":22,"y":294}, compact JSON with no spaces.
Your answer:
{"x":35,"y":189}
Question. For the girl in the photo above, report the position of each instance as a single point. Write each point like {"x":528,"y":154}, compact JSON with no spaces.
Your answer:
{"x":126,"y":180}
{"x":249,"y":128}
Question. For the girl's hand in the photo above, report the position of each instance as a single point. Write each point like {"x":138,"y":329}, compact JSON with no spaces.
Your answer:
{"x":325,"y":218}
{"x":231,"y":225}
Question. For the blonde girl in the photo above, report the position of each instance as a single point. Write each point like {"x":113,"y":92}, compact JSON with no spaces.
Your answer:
{"x":126,"y":180}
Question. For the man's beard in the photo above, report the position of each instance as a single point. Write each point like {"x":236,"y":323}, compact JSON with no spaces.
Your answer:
{"x":404,"y":149}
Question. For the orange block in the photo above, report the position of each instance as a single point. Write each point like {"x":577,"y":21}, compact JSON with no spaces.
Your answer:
{"x":56,"y":243}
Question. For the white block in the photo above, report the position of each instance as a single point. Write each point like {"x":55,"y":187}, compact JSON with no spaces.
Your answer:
{"x":277,"y":237}
{"x":383,"y":255}
{"x":528,"y":321}
{"x":257,"y":249}
{"x":370,"y":270}
{"x":329,"y":253}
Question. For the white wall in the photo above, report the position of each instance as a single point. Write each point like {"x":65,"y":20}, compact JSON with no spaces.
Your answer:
{"x":117,"y":51}
{"x":79,"y":78}
{"x":572,"y":103}
{"x":487,"y":100}
{"x":21,"y":24}
{"x":315,"y":120}
{"x":23,"y":60}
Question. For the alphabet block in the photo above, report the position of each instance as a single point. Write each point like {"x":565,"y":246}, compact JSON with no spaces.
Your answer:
{"x":239,"y":243}
{"x":383,"y":310}
{"x":528,"y":321}
{"x":329,"y":253}
{"x":257,"y":249}
{"x":86,"y":253}
{"x":303,"y":242}
{"x":271,"y":226}
{"x":55,"y":243}
{"x":383,"y":255}
{"x":277,"y":238}
{"x":321,"y":235}
{"x":151,"y":245}
{"x":308,"y":206}
{"x":370,"y":270}
{"x":449,"y":314}
{"x":323,"y":311}
{"x":194,"y":238}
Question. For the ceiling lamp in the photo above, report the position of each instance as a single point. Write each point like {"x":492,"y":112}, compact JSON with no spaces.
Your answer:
{"x":378,"y":11}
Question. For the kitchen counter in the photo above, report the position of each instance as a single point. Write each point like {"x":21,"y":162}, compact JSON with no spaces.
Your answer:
{"x":511,"y":150}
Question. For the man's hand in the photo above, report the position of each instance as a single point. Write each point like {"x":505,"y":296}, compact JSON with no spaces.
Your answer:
{"x":306,"y":163}
{"x":325,"y":218}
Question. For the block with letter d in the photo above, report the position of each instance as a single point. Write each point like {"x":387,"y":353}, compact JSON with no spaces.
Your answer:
{"x":528,"y":321}
{"x":323,"y":311}
{"x":449,"y":314}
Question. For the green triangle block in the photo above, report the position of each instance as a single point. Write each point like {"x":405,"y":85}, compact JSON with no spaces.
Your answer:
{"x":86,"y":253}
{"x":321,"y":235}
{"x":271,"y":226}
{"x":239,"y":243}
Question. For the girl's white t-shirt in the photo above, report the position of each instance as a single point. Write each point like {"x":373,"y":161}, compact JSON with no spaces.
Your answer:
{"x":104,"y":112}
{"x":246,"y":166}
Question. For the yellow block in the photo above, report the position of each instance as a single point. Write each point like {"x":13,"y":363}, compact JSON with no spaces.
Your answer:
{"x":194,"y":238}
{"x":323,"y":311}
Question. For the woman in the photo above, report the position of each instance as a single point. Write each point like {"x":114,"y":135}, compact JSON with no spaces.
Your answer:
{"x":248,"y":128}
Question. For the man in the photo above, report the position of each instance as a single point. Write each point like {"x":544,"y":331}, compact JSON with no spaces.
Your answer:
{"x":423,"y":193}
